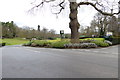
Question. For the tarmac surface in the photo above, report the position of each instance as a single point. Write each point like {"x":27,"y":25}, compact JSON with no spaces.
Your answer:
{"x":31,"y":62}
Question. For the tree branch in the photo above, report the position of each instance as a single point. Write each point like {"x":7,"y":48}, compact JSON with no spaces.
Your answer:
{"x":94,"y":5}
{"x":48,"y":1}
{"x":61,"y":7}
{"x":43,"y":1}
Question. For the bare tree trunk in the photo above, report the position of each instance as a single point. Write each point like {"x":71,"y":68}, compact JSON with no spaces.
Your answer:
{"x":74,"y":24}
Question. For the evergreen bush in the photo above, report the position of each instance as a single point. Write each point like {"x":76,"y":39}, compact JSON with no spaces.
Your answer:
{"x":100,"y":43}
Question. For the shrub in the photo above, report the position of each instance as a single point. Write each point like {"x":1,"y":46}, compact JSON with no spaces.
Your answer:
{"x":34,"y":45}
{"x":106,"y":41}
{"x":98,"y":39}
{"x":51,"y":38}
{"x":115,"y":40}
{"x":52,"y":41}
{"x":100,"y":43}
{"x":81,"y":45}
{"x":28,"y":44}
{"x":59,"y":44}
{"x":2,"y":44}
{"x":41,"y":43}
{"x":85,"y":41}
{"x":39,"y":38}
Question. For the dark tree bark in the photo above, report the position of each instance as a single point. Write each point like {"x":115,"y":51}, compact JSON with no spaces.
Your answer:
{"x":74,"y":24}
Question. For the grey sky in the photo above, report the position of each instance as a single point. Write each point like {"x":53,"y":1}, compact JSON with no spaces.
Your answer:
{"x":16,"y":10}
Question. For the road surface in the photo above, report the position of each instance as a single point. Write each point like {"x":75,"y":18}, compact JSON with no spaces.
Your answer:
{"x":30,"y":62}
{"x":0,"y":63}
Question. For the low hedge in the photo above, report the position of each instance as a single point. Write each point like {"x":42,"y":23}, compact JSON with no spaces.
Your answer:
{"x":2,"y":44}
{"x":60,"y":44}
{"x":28,"y":44}
{"x":100,"y":43}
{"x":41,"y":43}
{"x":37,"y":43}
{"x":110,"y":43}
{"x":85,"y":41}
{"x":98,"y":39}
{"x":65,"y":43}
{"x":114,"y":40}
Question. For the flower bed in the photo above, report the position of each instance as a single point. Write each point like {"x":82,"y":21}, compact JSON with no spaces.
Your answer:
{"x":80,"y":45}
{"x":65,"y":43}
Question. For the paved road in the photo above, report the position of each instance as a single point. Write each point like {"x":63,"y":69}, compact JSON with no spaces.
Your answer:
{"x":28,"y":62}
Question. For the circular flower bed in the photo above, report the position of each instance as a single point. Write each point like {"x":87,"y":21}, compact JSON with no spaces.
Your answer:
{"x":68,"y":44}
{"x":80,"y":45}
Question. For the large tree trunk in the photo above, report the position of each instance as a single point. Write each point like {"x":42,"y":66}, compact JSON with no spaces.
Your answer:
{"x":74,"y":24}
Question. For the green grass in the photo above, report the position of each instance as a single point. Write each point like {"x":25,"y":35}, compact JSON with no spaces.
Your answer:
{"x":52,"y":41}
{"x":98,"y":39}
{"x":15,"y":41}
{"x":0,"y":40}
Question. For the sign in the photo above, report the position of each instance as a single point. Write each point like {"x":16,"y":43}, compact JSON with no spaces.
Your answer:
{"x":109,"y":34}
{"x":61,"y":31}
{"x":62,"y":34}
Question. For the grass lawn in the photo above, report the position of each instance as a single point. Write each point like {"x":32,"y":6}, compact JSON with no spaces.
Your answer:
{"x":18,"y":41}
{"x":98,"y":39}
{"x":15,"y":41}
{"x":0,"y":40}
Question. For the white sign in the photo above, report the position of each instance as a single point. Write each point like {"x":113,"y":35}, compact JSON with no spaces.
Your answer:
{"x":109,"y":34}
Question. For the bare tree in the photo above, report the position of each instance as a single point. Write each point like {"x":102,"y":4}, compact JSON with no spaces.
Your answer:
{"x":101,"y":22}
{"x":74,"y":24}
{"x":113,"y":26}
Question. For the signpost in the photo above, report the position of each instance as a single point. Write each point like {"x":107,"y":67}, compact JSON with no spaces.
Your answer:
{"x":62,"y":34}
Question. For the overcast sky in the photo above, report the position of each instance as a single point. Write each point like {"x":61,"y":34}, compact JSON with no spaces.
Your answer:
{"x":17,"y":11}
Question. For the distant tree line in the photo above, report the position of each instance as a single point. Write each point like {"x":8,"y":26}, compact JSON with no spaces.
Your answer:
{"x":100,"y":25}
{"x":11,"y":30}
